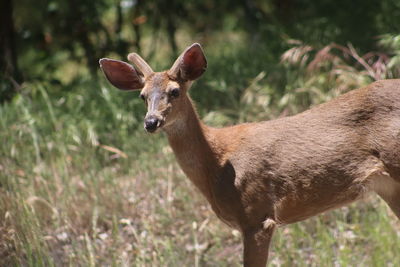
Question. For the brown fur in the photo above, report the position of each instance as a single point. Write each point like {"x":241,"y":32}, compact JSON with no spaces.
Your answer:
{"x":260,"y":175}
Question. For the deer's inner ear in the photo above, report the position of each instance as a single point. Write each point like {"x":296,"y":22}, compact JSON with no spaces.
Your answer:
{"x":122,"y":75}
{"x":194,"y":63}
{"x":190,"y":65}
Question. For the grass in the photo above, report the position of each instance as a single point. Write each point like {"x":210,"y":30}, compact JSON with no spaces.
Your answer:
{"x":81,"y":184}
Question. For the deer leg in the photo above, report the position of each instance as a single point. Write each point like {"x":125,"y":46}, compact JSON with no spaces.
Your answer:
{"x":389,"y":190}
{"x":393,"y":201}
{"x":256,"y":244}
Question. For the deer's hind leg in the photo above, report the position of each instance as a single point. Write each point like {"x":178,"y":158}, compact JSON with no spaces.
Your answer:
{"x":389,"y":190}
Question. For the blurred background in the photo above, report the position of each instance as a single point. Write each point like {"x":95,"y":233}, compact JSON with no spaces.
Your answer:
{"x":82,"y":184}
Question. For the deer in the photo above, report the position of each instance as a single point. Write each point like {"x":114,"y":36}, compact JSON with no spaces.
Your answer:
{"x":258,"y":176}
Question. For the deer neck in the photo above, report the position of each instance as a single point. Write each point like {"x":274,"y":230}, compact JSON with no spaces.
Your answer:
{"x":195,"y":148}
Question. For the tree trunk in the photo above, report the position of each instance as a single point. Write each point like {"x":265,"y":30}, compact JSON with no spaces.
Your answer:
{"x":10,"y":78}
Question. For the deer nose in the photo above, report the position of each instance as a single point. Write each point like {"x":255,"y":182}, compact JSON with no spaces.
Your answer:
{"x":151,"y":124}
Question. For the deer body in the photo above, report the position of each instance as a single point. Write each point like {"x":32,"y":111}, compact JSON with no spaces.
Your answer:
{"x":260,"y":175}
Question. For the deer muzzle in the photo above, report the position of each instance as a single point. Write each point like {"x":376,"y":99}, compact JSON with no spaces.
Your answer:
{"x":151,"y":123}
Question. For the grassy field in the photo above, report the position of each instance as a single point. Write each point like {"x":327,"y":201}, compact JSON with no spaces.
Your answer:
{"x":82,"y":184}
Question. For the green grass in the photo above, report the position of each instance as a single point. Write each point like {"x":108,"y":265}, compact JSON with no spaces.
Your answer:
{"x":82,"y":184}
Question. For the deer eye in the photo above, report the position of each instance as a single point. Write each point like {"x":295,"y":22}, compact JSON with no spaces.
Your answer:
{"x":174,"y":92}
{"x":142,"y":97}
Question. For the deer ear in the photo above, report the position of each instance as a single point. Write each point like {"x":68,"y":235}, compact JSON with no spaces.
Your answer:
{"x":121,"y":74}
{"x":190,"y":65}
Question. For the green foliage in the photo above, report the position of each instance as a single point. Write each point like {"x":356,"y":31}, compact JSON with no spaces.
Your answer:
{"x":52,"y":33}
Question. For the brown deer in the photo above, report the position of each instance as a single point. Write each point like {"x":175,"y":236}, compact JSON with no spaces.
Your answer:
{"x":261,"y":175}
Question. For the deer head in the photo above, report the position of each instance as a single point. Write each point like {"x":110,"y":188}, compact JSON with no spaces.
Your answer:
{"x":164,"y":93}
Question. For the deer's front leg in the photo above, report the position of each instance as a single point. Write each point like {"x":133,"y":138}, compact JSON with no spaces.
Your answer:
{"x":256,"y":244}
